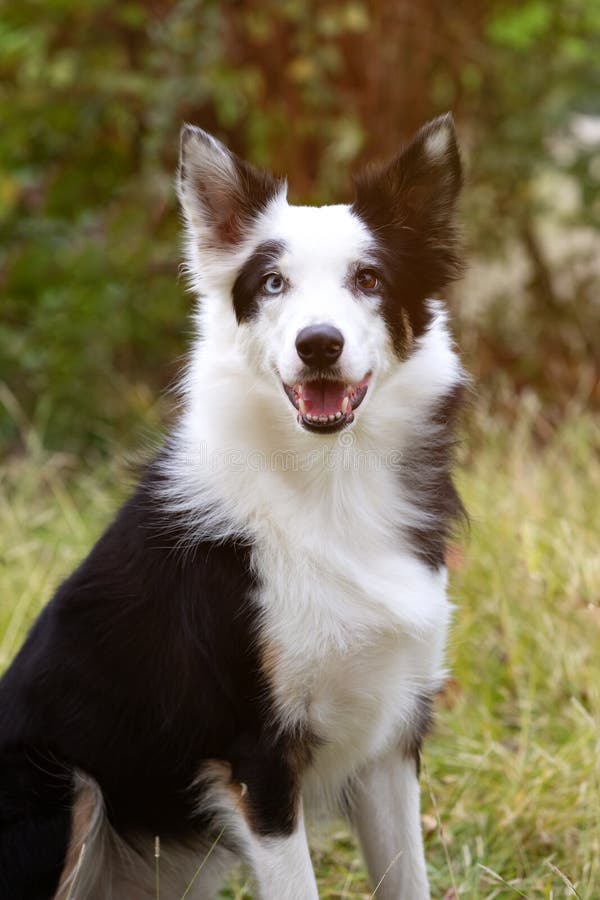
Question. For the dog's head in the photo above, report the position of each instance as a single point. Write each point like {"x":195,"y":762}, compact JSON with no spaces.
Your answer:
{"x":322,"y":302}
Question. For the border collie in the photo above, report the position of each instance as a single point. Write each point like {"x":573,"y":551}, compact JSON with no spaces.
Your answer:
{"x":259,"y":633}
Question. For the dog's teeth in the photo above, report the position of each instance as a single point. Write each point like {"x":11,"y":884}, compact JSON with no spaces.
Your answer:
{"x":338,"y":415}
{"x":322,"y":419}
{"x":350,"y":418}
{"x":332,"y":418}
{"x":345,"y":405}
{"x":302,"y":406}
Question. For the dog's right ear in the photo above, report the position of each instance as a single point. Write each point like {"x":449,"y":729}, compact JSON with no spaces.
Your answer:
{"x":220,"y":194}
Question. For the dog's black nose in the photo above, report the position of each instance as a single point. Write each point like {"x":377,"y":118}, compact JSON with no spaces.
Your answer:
{"x":319,"y":345}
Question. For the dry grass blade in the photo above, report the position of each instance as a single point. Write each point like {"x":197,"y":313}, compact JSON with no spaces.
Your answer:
{"x":211,"y":849}
{"x":157,"y":865}
{"x":569,"y":885}
{"x":387,"y":871}
{"x":70,"y":895}
{"x":502,"y":880}
{"x":349,"y":878}
{"x":441,"y":829}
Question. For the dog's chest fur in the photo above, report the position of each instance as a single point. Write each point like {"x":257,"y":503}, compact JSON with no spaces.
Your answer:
{"x":353,"y":625}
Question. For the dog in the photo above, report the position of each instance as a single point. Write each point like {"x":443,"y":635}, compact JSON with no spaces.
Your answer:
{"x":258,"y":635}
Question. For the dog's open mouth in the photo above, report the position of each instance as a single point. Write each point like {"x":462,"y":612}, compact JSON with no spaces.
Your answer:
{"x":326,"y":406}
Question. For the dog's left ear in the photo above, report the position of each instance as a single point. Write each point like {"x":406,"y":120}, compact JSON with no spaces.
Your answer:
{"x":411,"y":201}
{"x":220,"y":193}
{"x":421,"y":184}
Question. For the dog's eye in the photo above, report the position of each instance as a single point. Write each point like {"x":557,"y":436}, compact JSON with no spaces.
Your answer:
{"x":274,"y":283}
{"x":367,"y":280}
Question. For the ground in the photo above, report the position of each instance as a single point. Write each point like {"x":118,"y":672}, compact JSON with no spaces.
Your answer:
{"x":511,"y":774}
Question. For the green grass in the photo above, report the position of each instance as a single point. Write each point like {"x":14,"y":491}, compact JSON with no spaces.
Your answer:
{"x":512,"y":772}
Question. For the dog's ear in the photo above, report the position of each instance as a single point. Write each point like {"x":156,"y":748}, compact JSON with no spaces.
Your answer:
{"x":420,"y":185}
{"x":409,"y":206}
{"x":220,"y":194}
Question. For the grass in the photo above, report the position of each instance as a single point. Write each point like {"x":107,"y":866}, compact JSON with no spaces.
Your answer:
{"x":511,"y":782}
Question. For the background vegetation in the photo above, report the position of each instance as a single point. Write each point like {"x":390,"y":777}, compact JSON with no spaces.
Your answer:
{"x":92,"y":98}
{"x":93,"y":326}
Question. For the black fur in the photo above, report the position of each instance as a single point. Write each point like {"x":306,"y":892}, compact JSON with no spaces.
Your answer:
{"x":246,"y":289}
{"x":35,"y":822}
{"x":144,"y":664}
{"x":426,"y":474}
{"x":409,"y":206}
{"x":421,"y":725}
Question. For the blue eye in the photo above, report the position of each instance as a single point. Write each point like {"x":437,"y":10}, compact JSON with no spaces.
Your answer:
{"x":274,"y":283}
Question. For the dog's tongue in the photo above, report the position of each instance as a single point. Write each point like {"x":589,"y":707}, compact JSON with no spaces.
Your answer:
{"x":323,"y":398}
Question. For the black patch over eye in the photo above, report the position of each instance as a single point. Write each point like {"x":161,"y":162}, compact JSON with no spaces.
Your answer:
{"x":251,"y":283}
{"x":367,"y":280}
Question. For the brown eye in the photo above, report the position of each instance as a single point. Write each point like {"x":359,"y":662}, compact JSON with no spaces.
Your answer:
{"x":367,"y":280}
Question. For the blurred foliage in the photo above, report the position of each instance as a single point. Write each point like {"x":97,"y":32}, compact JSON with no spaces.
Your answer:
{"x":92,"y":95}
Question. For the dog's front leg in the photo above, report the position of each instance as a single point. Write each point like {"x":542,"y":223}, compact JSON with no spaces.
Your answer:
{"x":386,"y":814}
{"x":281,"y":864}
{"x":259,"y":803}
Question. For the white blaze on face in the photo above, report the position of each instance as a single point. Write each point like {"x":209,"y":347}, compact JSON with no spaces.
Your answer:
{"x":323,"y":247}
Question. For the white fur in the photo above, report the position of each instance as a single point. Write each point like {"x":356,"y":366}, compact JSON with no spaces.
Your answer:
{"x":437,"y":143}
{"x":280,"y":866}
{"x":355,"y":623}
{"x":386,"y":815}
{"x":322,"y":243}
